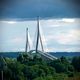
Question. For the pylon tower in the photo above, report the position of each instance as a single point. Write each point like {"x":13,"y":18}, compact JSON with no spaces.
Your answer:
{"x":27,"y":41}
{"x":38,"y":37}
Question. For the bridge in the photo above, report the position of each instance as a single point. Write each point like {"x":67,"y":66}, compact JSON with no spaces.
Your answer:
{"x":40,"y":53}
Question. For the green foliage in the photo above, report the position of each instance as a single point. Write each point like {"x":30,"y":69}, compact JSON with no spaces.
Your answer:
{"x":38,"y":71}
{"x":62,"y":65}
{"x":76,"y":63}
{"x":59,"y":66}
{"x":54,"y":77}
{"x":25,"y":68}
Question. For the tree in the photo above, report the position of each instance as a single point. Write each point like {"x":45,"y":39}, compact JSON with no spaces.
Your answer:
{"x":3,"y":66}
{"x":64,"y":60}
{"x":76,"y":63}
{"x":53,"y":77}
{"x":59,"y":66}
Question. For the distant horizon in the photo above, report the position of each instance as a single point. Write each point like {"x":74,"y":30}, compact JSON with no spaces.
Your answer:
{"x":25,"y":52}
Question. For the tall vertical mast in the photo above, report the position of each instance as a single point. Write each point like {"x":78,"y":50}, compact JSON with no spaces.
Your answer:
{"x":38,"y":37}
{"x":26,"y":49}
{"x":38,"y":33}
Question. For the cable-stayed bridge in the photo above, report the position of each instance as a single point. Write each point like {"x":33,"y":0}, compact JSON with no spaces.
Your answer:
{"x":38,"y":47}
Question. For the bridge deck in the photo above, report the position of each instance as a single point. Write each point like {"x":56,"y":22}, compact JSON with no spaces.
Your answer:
{"x":45,"y":54}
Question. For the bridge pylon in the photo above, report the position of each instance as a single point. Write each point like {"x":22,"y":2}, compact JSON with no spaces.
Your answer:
{"x":38,"y":37}
{"x":27,"y":41}
{"x":40,"y":53}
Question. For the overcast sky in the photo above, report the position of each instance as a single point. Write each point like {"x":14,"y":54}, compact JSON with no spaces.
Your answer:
{"x":59,"y":23}
{"x":62,"y":34}
{"x":43,"y":8}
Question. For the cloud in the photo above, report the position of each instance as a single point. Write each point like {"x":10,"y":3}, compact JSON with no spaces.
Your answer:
{"x":63,"y":31}
{"x":17,"y":40}
{"x":11,"y":22}
{"x":63,"y":22}
{"x":71,"y":37}
{"x":8,"y":22}
{"x":68,"y":20}
{"x":18,"y":49}
{"x":72,"y":49}
{"x":32,"y":8}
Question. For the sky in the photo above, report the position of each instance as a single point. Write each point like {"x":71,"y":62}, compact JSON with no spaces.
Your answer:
{"x":59,"y":24}
{"x":58,"y":35}
{"x":44,"y":8}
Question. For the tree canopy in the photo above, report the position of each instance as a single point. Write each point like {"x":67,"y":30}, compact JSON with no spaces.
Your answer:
{"x":25,"y":68}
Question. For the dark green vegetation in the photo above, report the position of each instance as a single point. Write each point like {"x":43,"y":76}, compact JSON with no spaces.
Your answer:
{"x":25,"y":68}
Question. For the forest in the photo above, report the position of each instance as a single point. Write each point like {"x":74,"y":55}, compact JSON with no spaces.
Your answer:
{"x":25,"y":68}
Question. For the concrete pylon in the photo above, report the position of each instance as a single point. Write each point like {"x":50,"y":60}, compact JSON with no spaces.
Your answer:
{"x":27,"y":41}
{"x":38,"y":37}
